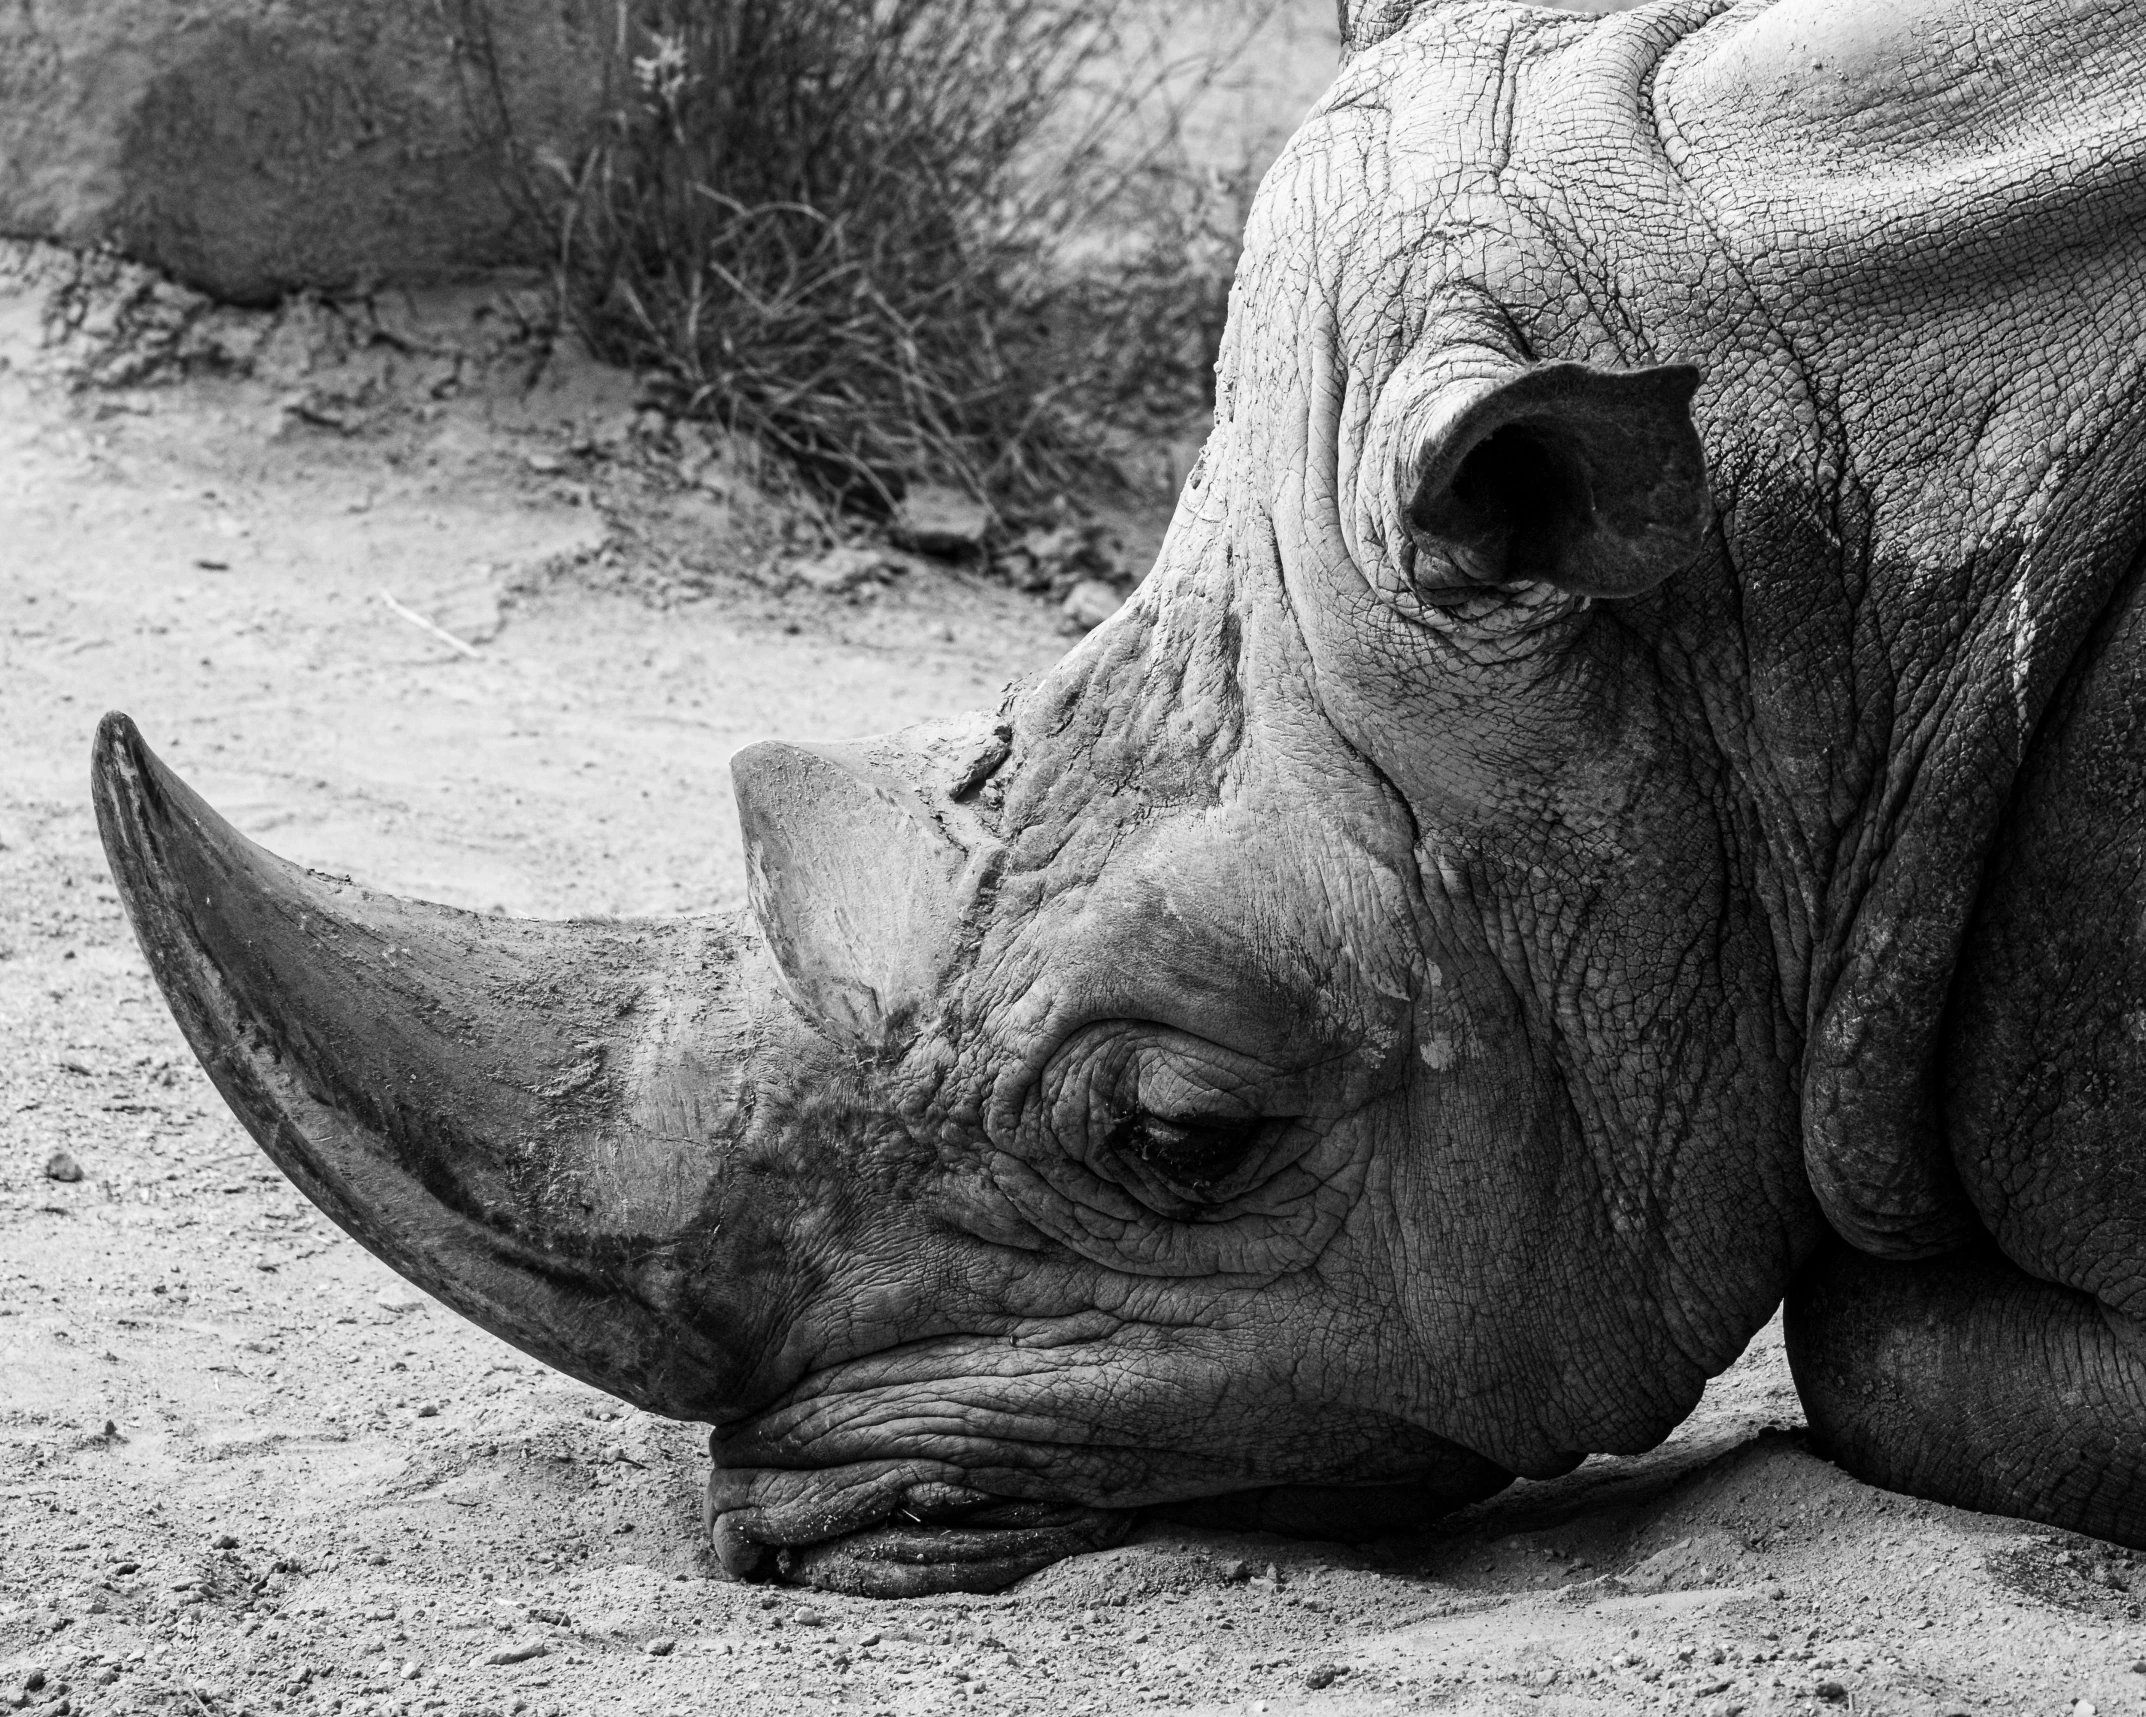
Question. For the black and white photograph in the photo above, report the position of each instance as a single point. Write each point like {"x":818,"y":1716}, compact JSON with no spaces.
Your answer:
{"x":1255,"y":858}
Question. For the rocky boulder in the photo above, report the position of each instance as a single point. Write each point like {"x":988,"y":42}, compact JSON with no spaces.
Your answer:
{"x":255,"y":147}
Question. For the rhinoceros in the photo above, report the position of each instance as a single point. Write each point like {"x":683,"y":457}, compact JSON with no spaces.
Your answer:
{"x":1618,"y":804}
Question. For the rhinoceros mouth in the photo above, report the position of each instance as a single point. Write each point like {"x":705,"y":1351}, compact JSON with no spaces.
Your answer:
{"x":936,"y":1538}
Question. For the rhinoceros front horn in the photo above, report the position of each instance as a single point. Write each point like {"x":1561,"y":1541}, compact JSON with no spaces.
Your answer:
{"x":468,"y":1096}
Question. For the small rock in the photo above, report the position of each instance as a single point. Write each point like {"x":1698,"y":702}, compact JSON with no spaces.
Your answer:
{"x":1048,"y":554}
{"x":61,"y":1165}
{"x":223,"y":1541}
{"x":841,"y":569}
{"x":808,"y":1618}
{"x":428,"y":1410}
{"x":1832,"y":1692}
{"x":608,"y":432}
{"x":660,"y":1647}
{"x":1060,"y":558}
{"x":1091,"y":602}
{"x":342,"y":409}
{"x":1323,"y":1675}
{"x":2085,"y":1708}
{"x":936,"y":520}
{"x":411,"y":1669}
{"x":520,"y":1652}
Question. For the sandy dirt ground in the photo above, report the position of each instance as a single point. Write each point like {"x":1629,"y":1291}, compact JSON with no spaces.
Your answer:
{"x":243,"y":1468}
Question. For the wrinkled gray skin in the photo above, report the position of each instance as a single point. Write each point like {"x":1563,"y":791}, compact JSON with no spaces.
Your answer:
{"x":1617,"y":803}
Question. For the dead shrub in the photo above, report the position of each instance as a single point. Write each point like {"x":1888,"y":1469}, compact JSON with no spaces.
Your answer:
{"x":897,"y":240}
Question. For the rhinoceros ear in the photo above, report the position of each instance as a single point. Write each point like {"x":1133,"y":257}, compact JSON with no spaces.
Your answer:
{"x":856,"y":885}
{"x":1591,"y":480}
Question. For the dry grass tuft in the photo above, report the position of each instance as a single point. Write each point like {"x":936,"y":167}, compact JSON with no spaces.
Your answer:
{"x":898,"y":240}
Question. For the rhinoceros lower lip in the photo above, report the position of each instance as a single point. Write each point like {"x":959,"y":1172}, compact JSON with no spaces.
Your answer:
{"x":939,"y":1537}
{"x":910,"y":1559}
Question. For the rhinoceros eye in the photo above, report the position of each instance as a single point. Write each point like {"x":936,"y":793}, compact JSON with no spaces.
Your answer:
{"x":1191,"y":1153}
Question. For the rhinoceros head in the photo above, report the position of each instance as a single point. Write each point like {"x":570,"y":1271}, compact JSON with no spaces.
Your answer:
{"x":1368,"y":1023}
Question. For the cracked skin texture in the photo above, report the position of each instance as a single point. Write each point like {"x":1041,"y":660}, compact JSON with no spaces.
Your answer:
{"x":1612,"y":808}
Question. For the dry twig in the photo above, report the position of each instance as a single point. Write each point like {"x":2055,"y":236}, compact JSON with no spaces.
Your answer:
{"x":422,"y":624}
